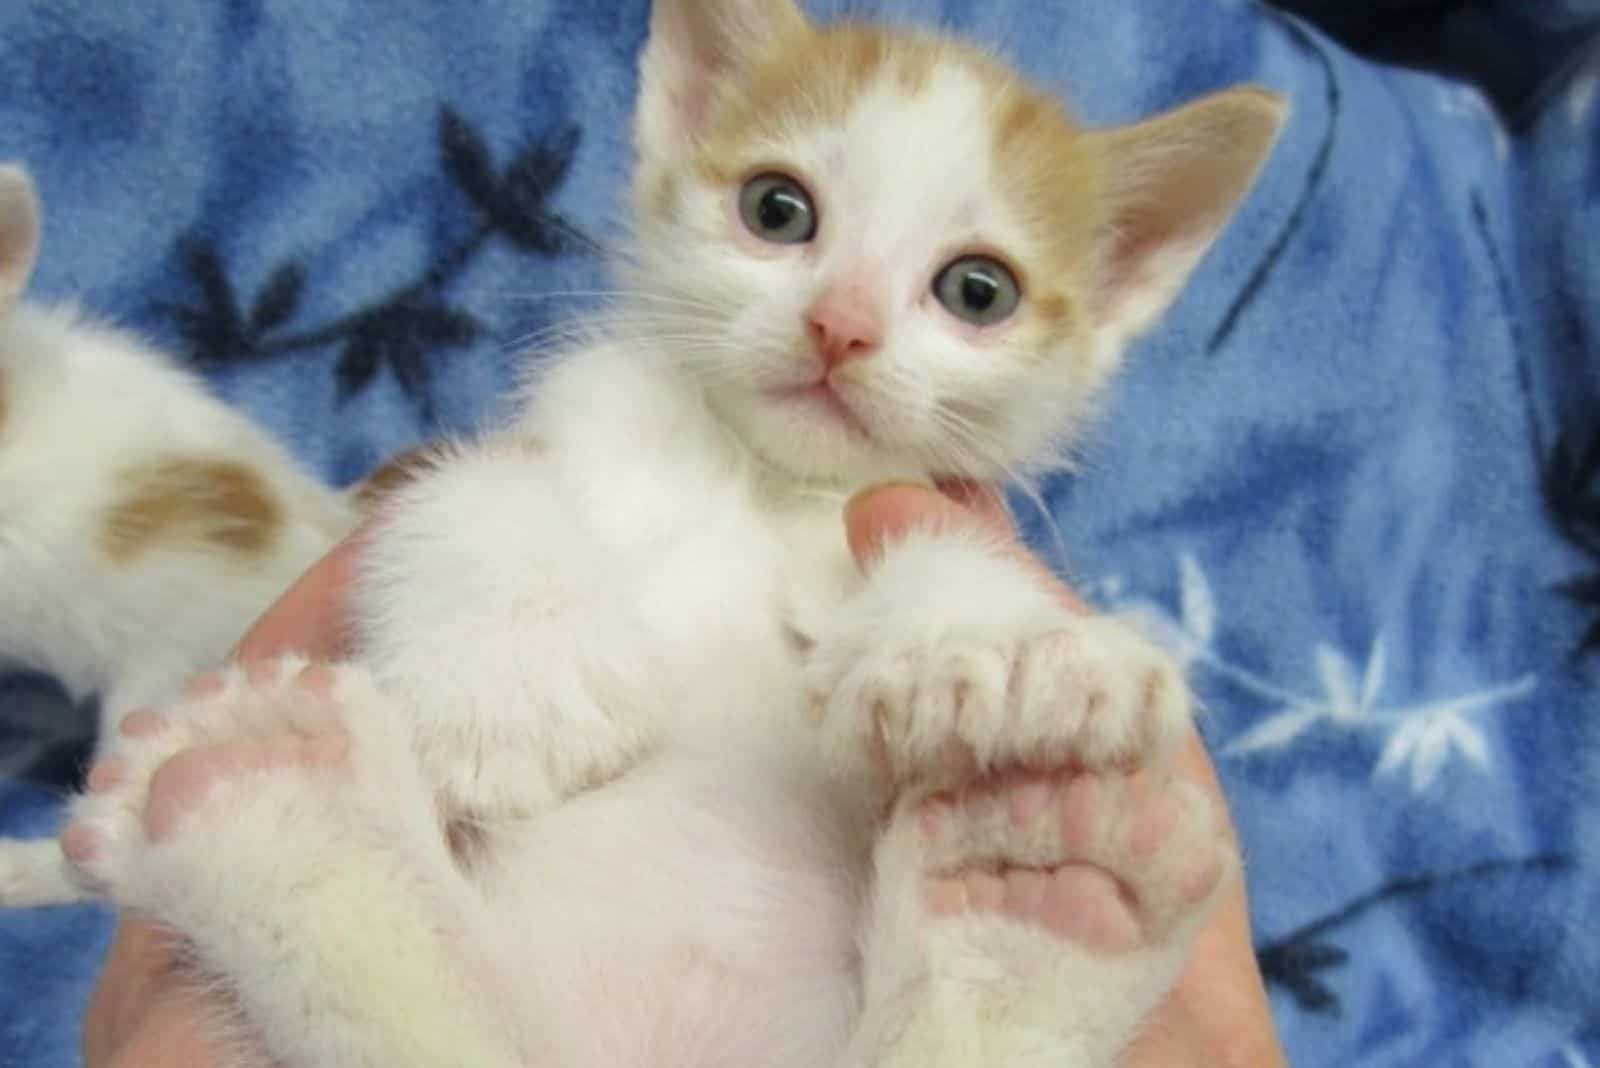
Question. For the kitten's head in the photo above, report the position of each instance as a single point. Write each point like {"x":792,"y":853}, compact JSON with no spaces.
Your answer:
{"x":19,"y":232}
{"x":879,"y":251}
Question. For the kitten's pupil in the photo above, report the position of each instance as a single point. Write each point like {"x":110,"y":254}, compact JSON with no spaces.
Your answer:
{"x":776,"y":208}
{"x":978,"y":289}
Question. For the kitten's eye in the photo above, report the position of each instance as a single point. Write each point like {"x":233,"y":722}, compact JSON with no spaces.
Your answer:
{"x":777,"y":208}
{"x":978,"y":289}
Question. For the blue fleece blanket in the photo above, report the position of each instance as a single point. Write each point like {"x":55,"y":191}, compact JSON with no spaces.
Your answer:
{"x":1355,"y":478}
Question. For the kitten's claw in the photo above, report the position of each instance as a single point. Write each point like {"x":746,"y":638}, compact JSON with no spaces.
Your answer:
{"x":929,"y":683}
{"x":1090,"y":691}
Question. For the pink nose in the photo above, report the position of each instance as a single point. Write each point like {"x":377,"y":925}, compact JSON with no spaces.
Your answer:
{"x":844,"y":325}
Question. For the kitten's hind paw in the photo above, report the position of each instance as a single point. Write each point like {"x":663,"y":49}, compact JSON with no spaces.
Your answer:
{"x":1111,"y":862}
{"x":267,"y":746}
{"x":1038,"y":910}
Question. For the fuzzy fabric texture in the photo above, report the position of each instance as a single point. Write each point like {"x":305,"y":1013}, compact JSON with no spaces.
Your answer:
{"x":1354,"y":477}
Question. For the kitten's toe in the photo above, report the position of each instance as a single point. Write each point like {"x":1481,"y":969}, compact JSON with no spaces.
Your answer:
{"x":1086,"y":690}
{"x":102,"y":835}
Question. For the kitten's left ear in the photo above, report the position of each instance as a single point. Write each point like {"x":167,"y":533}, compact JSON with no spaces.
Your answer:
{"x":1172,"y":183}
{"x":694,"y":46}
{"x":19,"y":231}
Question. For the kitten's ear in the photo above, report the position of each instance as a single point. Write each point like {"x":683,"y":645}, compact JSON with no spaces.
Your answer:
{"x":1172,"y":183}
{"x":694,"y":45}
{"x":19,"y":231}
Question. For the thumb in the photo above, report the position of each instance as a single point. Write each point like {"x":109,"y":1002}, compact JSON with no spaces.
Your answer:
{"x":880,"y":515}
{"x":312,"y":616}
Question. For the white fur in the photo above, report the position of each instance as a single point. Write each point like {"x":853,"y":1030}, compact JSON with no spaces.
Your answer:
{"x":604,"y":632}
{"x":85,"y":408}
{"x":682,"y":876}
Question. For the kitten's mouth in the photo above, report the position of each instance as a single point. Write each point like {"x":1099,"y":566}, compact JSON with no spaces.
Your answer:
{"x":820,"y":397}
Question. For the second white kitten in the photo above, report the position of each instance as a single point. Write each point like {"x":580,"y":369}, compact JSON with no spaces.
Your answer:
{"x":144,"y":524}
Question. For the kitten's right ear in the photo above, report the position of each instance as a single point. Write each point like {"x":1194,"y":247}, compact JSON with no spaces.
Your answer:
{"x":19,"y":231}
{"x":1171,"y":184}
{"x":695,"y":46}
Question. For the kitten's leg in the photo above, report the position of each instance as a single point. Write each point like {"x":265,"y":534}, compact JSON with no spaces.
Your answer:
{"x":1039,"y":879}
{"x":278,"y":823}
{"x":563,"y":693}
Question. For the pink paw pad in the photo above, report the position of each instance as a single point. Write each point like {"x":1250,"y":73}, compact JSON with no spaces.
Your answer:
{"x":1077,"y":902}
{"x":79,"y":843}
{"x":108,"y":774}
{"x":142,"y":723}
{"x":1107,"y":860}
{"x":182,"y":784}
{"x":209,"y":684}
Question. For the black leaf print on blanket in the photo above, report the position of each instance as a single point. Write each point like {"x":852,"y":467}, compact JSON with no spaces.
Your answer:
{"x":1569,"y":474}
{"x":1570,"y":482}
{"x":514,"y":202}
{"x":1333,"y":102}
{"x":401,"y":330}
{"x":1296,"y":961}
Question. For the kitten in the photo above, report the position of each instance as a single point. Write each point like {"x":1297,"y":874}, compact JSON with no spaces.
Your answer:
{"x":143,"y":523}
{"x":634,"y":766}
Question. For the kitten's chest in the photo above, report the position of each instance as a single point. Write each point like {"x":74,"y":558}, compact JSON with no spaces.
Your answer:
{"x":813,"y":575}
{"x":742,"y":595}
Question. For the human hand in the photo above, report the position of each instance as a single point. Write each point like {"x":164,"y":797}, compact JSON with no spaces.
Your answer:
{"x":1217,"y":1016}
{"x":147,"y":1008}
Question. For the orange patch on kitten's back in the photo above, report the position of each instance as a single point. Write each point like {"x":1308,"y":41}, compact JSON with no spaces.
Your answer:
{"x":218,"y":503}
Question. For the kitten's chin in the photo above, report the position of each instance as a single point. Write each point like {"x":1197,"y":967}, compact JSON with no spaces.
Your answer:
{"x":817,"y":404}
{"x":808,"y":434}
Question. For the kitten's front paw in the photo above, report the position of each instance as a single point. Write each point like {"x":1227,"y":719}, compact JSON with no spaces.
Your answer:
{"x":979,"y":669}
{"x":556,"y":744}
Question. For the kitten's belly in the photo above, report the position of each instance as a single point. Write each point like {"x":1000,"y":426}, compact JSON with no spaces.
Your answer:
{"x":699,"y":913}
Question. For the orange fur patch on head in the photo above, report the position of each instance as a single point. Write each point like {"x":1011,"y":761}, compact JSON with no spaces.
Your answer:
{"x":810,"y":77}
{"x":1052,"y":309}
{"x":1048,"y":169}
{"x":1050,"y":173}
{"x":217,"y":503}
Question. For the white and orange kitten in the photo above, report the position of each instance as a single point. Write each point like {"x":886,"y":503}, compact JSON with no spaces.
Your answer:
{"x":635,"y":767}
{"x":143,"y":522}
